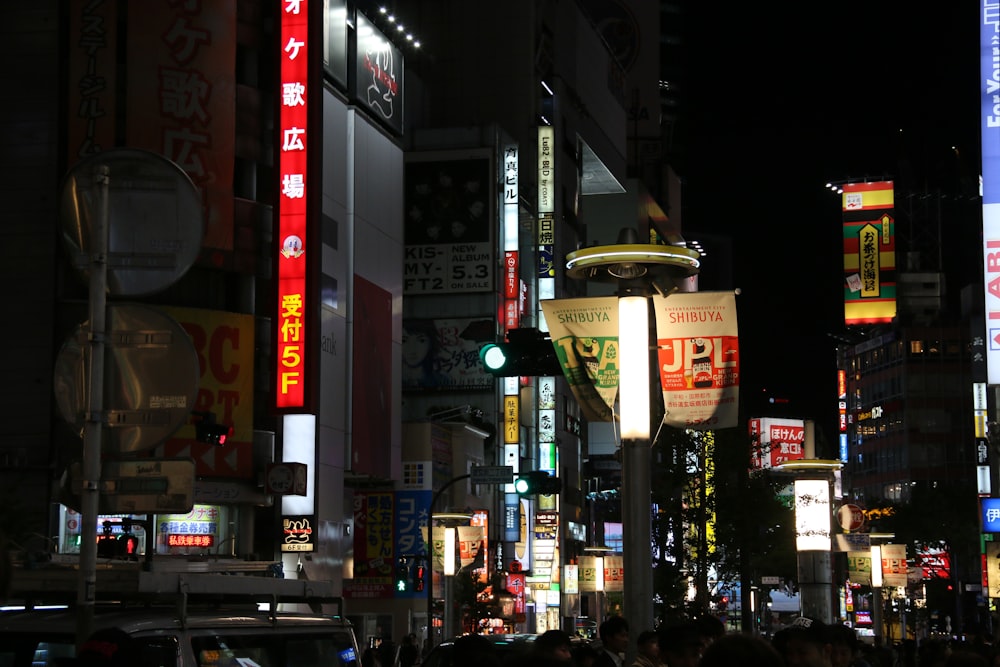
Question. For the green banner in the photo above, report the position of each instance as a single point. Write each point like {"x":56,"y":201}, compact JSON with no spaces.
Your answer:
{"x":585,"y":335}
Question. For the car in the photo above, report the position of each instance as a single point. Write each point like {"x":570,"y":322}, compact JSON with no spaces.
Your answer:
{"x":203,"y":638}
{"x":504,"y":646}
{"x":180,"y":619}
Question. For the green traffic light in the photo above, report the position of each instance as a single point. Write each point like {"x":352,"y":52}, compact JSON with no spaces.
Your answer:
{"x":522,"y":485}
{"x":401,"y":585}
{"x":493,"y":356}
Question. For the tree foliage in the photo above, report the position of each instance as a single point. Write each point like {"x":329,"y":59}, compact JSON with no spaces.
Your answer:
{"x":755,"y":529}
{"x":935,"y":516}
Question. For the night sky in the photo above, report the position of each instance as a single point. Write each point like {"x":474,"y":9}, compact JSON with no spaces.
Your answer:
{"x":778,"y":100}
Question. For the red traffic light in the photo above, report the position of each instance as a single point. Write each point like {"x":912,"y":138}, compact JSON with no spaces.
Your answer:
{"x":209,"y":431}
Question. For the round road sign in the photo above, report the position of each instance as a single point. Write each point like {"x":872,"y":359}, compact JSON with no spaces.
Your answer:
{"x":851,"y":517}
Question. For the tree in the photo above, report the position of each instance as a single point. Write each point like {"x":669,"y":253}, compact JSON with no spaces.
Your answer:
{"x":939,"y":516}
{"x":755,"y":529}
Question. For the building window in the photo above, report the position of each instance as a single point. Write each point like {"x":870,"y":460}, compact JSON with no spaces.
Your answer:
{"x":916,"y":347}
{"x":413,"y":474}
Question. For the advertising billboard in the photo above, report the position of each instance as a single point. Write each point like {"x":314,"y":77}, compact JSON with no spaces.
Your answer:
{"x":448,"y":224}
{"x":869,"y":253}
{"x":378,"y":75}
{"x":775,"y":440}
{"x":292,"y":319}
{"x":224,"y":343}
{"x":698,"y":353}
{"x":443,"y":354}
{"x":989,"y":123}
{"x":181,"y":83}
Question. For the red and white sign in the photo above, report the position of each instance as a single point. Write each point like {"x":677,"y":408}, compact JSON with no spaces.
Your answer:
{"x":699,"y":359}
{"x":851,"y":517}
{"x":292,"y":204}
{"x":776,"y":441}
{"x":511,"y":280}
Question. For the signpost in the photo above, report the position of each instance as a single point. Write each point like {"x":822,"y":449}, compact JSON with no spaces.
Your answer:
{"x":142,"y":486}
{"x":492,"y":474}
{"x":851,"y":517}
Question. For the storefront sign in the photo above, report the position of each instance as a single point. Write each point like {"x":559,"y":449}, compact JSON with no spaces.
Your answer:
{"x":293,"y":198}
{"x":297,"y":533}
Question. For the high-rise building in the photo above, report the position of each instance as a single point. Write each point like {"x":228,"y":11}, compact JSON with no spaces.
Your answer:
{"x":372,"y":182}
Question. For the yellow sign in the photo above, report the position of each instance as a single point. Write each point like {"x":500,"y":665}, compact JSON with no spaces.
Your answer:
{"x":511,"y":420}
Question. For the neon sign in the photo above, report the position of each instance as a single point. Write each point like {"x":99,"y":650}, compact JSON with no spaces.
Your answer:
{"x":292,"y":205}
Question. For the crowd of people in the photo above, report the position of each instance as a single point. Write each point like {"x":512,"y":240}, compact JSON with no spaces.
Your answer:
{"x":704,"y":642}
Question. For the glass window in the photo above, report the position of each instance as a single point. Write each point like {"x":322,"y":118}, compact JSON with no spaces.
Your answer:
{"x":276,"y":649}
{"x":44,"y":650}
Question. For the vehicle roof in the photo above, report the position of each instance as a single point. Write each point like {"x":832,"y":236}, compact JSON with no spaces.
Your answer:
{"x":497,"y":639}
{"x":148,"y":620}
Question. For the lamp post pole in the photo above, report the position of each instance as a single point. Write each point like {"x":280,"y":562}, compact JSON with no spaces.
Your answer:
{"x":634,"y":390}
{"x":635,"y":268}
{"x":430,"y":560}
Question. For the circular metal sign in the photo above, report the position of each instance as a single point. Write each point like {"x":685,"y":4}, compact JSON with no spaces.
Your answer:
{"x":155,"y":221}
{"x":150,"y":378}
{"x":851,"y":517}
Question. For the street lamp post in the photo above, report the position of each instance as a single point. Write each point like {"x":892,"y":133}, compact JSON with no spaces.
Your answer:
{"x":636,"y":269}
{"x":813,"y":535}
{"x":430,"y":560}
{"x":877,"y":589}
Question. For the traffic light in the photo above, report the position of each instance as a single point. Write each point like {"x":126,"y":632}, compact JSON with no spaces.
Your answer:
{"x":526,"y":352}
{"x":208,"y":430}
{"x":402,"y":576}
{"x":127,"y":546}
{"x":537,"y":482}
{"x":418,"y":579}
{"x":107,"y":543}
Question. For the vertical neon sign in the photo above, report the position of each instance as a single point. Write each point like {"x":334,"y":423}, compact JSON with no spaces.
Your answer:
{"x":290,"y":334}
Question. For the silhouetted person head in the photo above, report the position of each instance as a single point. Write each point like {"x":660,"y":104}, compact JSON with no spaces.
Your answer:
{"x":742,"y":650}
{"x":804,"y":643}
{"x":614,"y":634}
{"x":553,"y":644}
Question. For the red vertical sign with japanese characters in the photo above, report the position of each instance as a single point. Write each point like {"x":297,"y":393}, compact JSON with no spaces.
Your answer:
{"x":292,"y":206}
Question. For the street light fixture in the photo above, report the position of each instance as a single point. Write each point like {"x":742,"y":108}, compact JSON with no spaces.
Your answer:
{"x":637,"y":269}
{"x":633,"y":380}
{"x":813,"y":534}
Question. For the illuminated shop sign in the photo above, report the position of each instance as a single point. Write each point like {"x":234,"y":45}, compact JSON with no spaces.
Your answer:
{"x":297,"y":533}
{"x":991,"y":515}
{"x":379,"y":75}
{"x":869,"y":252}
{"x":176,"y":540}
{"x":293,"y":140}
{"x":875,"y":413}
{"x":989,"y":125}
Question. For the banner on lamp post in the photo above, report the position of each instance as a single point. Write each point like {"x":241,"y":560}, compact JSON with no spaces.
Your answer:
{"x":698,"y":355}
{"x":585,"y":335}
{"x":859,"y":567}
{"x":894,"y":566}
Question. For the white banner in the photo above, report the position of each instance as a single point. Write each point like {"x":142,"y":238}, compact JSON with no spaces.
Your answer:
{"x":699,"y":359}
{"x":894,"y":566}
